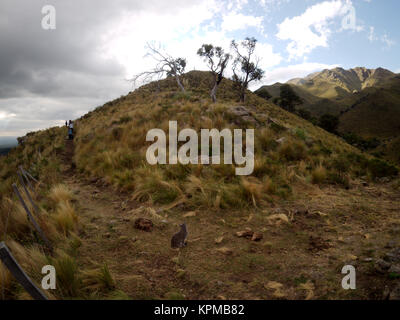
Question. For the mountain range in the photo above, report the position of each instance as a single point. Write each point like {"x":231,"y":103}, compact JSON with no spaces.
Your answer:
{"x":366,"y":101}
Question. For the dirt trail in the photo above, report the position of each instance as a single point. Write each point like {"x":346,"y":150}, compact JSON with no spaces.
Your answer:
{"x":342,"y":226}
{"x":108,"y":235}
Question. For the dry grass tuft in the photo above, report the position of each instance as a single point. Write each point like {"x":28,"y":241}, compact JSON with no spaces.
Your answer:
{"x":60,"y":193}
{"x":319,"y":175}
{"x":66,"y":218}
{"x":99,"y":279}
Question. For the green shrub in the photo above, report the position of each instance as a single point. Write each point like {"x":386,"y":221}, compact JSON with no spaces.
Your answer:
{"x":379,"y":168}
{"x":301,"y":134}
{"x":337,"y":178}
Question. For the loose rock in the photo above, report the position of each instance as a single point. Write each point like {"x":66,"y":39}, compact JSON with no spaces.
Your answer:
{"x":382,"y":266}
{"x":257,"y":236}
{"x":393,"y":256}
{"x":144,"y":224}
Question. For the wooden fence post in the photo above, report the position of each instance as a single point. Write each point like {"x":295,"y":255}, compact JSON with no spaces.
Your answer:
{"x":19,"y":274}
{"x":21,"y":180}
{"x":32,"y":219}
{"x":27,"y":180}
{"x":29,"y":175}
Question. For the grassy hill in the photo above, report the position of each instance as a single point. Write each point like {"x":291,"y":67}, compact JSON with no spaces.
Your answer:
{"x":314,"y":202}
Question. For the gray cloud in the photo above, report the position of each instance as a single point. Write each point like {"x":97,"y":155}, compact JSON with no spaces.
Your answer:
{"x":49,"y":76}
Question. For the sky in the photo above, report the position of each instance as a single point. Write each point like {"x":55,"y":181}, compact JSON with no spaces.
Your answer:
{"x":51,"y":75}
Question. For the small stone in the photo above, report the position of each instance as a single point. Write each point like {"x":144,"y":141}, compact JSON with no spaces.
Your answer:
{"x":278,"y":218}
{"x":144,"y":224}
{"x":219,"y":240}
{"x":368,"y":260}
{"x":382,"y":266}
{"x":225,"y":251}
{"x":393,"y":256}
{"x":190,"y":214}
{"x":245,"y":234}
{"x":239,"y":111}
{"x":257,"y":236}
{"x":281,"y":140}
{"x":394,"y":268}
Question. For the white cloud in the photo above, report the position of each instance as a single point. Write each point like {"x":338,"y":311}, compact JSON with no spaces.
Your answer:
{"x":238,"y":21}
{"x":181,"y":34}
{"x":312,"y":29}
{"x":372,"y":36}
{"x":177,"y":30}
{"x":387,"y":41}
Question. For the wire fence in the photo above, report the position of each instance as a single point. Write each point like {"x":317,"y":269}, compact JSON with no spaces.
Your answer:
{"x":5,"y":254}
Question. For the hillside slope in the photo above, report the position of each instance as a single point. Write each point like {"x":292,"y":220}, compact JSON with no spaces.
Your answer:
{"x":312,"y":205}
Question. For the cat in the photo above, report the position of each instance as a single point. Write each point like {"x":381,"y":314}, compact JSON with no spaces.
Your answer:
{"x":179,"y":239}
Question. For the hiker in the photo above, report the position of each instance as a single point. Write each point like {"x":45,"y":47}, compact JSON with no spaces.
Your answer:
{"x":71,"y":130}
{"x":66,"y":123}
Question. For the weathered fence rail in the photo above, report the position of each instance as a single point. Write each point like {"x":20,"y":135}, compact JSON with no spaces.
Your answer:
{"x":23,"y":172}
{"x":19,"y":274}
{"x":32,"y":219}
{"x":35,"y":207}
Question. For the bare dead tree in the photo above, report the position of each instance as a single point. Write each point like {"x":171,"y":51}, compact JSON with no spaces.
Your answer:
{"x":244,"y":69}
{"x":165,"y":66}
{"x":217,"y":61}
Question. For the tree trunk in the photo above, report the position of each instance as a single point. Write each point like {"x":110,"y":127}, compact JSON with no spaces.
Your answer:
{"x":214,"y":92}
{"x":179,"y":83}
{"x":242,"y":95}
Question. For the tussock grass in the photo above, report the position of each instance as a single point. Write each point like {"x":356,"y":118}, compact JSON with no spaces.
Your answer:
{"x":99,"y":279}
{"x":68,"y":280}
{"x":66,"y":218}
{"x":14,"y":218}
{"x":60,"y":193}
{"x":150,"y":185}
{"x":293,"y":150}
{"x":319,"y":175}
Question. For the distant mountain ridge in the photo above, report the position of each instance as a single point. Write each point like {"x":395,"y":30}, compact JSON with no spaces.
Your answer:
{"x":367,"y":101}
{"x":339,"y":82}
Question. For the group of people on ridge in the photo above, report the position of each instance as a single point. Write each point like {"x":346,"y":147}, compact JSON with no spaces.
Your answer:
{"x":70,"y":126}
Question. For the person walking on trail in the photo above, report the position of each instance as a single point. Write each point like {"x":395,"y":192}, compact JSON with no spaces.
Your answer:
{"x":71,"y":130}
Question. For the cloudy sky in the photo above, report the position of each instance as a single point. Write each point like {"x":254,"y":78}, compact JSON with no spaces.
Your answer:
{"x":48,"y":76}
